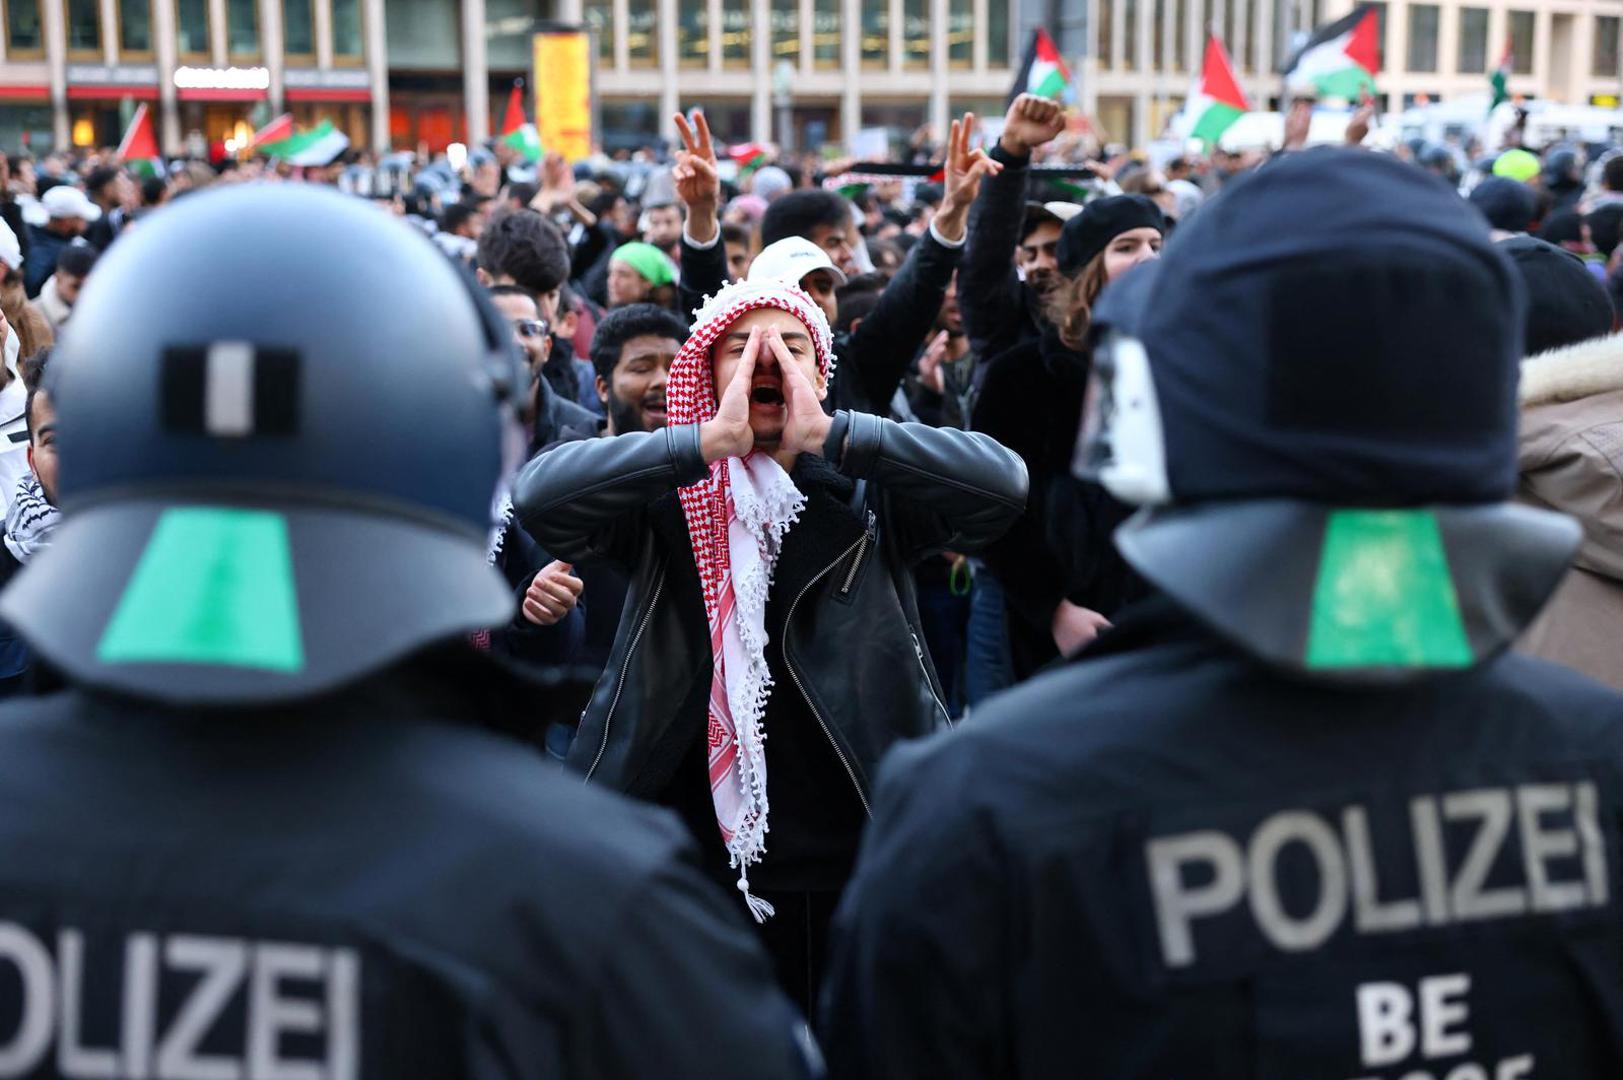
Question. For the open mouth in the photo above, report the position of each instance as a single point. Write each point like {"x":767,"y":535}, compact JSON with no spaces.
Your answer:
{"x":766,"y":395}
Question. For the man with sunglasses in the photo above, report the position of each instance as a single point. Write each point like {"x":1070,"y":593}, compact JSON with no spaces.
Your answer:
{"x":554,"y":413}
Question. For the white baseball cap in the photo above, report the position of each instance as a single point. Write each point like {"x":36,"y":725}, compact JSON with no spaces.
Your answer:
{"x":791,"y":259}
{"x":11,"y":252}
{"x":63,"y":201}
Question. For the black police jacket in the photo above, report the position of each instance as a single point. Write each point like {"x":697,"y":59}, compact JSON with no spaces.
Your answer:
{"x":1167,"y":860}
{"x":851,"y":638}
{"x":360,"y":886}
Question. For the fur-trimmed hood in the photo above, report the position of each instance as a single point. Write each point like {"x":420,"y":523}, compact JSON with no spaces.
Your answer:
{"x":1571,"y":443}
{"x":1571,"y":459}
{"x":1573,"y":373}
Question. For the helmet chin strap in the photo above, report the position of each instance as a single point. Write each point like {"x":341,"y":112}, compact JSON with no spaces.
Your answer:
{"x":1122,"y":444}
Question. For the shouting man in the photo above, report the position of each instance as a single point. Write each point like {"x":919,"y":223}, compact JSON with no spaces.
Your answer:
{"x":770,"y":651}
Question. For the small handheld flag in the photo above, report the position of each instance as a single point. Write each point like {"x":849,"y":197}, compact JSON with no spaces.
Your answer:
{"x":1339,"y":60}
{"x":1043,"y":72}
{"x":139,"y":147}
{"x":518,"y":133}
{"x":1215,"y":101}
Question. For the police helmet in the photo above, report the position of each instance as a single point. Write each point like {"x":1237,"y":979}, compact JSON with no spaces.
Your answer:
{"x":282,"y":421}
{"x":1313,"y":392}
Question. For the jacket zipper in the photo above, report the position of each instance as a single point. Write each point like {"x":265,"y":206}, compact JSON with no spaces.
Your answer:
{"x":860,"y":545}
{"x":862,"y":550}
{"x":918,"y":651}
{"x":625,"y":670}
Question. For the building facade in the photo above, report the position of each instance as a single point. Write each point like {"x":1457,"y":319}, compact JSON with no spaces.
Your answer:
{"x":421,"y":74}
{"x":1144,"y":54}
{"x":73,"y":71}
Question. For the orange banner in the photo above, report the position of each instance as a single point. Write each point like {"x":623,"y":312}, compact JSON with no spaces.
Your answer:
{"x":563,"y":91}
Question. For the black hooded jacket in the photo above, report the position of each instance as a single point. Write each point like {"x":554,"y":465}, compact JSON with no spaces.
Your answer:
{"x":1168,"y":859}
{"x":1060,"y":549}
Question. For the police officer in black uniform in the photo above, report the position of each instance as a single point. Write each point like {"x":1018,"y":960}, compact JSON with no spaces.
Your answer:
{"x":1300,"y":816}
{"x":269,"y":832}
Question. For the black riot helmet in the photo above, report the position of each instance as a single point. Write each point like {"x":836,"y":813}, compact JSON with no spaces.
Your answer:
{"x":282,"y":421}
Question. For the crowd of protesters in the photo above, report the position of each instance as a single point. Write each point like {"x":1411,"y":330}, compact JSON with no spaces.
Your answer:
{"x":803,"y":483}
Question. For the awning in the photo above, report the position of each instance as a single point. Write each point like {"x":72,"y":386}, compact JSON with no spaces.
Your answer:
{"x":220,"y":93}
{"x":329,"y":93}
{"x":21,"y":92}
{"x":113,"y":93}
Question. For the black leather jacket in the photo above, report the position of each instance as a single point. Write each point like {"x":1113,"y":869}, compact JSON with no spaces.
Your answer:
{"x":851,"y":638}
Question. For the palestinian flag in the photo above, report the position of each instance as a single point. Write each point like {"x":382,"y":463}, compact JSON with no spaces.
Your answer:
{"x":1043,"y":72}
{"x":518,"y":133}
{"x":277,"y":131}
{"x":139,"y":148}
{"x":1500,"y":77}
{"x":1339,"y":60}
{"x":748,"y":157}
{"x":318,"y":146}
{"x":1216,"y":100}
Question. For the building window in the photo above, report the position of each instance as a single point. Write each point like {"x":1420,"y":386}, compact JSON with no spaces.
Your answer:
{"x":1604,"y":61}
{"x":135,"y":26}
{"x":735,"y":33}
{"x":876,"y":35}
{"x":507,"y":36}
{"x":1423,"y":37}
{"x":1473,"y":40}
{"x":1230,"y":41}
{"x":600,"y":19}
{"x":1521,"y":42}
{"x":1158,"y":37}
{"x":960,"y":33}
{"x":1180,"y":35}
{"x":192,"y":27}
{"x":1129,"y":35}
{"x":23,"y":33}
{"x":693,"y":33}
{"x":242,"y":28}
{"x":298,"y":28}
{"x":826,"y":33}
{"x":997,"y":34}
{"x":642,"y":36}
{"x":1101,"y":45}
{"x":84,"y":26}
{"x":347,"y":38}
{"x":916,"y":33}
{"x":786,"y":31}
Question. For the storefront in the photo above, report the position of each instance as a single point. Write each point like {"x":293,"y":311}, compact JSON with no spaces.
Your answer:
{"x":222,"y":105}
{"x":340,"y":95}
{"x":25,"y":118}
{"x":427,"y":112}
{"x":102,"y":100}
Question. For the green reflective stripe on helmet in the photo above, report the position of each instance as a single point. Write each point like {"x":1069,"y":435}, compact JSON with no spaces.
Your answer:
{"x":214,"y":586}
{"x":1384,"y":596}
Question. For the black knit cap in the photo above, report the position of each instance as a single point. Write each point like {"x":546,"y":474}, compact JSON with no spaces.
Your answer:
{"x":1566,"y":303}
{"x":1100,"y":222}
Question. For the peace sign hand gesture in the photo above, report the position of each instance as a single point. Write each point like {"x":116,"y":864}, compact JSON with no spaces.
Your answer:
{"x":698,"y":182}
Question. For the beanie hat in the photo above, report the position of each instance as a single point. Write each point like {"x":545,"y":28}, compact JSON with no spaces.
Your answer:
{"x":1565,"y":302}
{"x":1507,"y":204}
{"x":1517,"y":165}
{"x":1101,"y":221}
{"x":646,"y":259}
{"x":1336,"y":328}
{"x":1333,"y":351}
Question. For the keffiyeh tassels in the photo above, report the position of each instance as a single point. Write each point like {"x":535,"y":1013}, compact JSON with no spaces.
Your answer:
{"x":737,"y":518}
{"x":31,"y":520}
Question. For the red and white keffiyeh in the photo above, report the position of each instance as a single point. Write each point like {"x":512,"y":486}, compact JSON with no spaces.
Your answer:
{"x":737,"y":518}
